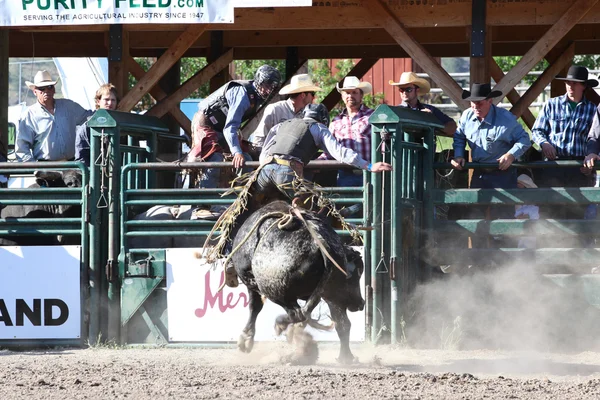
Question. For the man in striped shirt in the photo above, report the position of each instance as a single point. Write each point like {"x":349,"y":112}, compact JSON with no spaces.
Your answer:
{"x":351,"y":127}
{"x":561,"y":130}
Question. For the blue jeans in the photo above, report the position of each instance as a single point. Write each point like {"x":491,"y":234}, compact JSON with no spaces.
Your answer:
{"x":347,"y":177}
{"x":271,"y":176}
{"x":210,"y":177}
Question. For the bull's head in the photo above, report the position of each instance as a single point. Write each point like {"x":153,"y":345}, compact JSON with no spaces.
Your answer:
{"x":67,"y":178}
{"x":356,"y":266}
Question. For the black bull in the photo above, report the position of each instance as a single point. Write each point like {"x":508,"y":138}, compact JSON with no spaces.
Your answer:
{"x":285,"y":264}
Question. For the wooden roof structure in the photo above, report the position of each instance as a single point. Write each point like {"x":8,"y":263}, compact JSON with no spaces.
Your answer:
{"x":365,"y":29}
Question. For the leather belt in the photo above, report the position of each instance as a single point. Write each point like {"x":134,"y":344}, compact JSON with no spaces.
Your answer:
{"x":296,"y":166}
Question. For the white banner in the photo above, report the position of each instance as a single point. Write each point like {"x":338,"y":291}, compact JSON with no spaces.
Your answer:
{"x":271,"y":3}
{"x":197,"y":313}
{"x":40,"y":294}
{"x":88,"y":12}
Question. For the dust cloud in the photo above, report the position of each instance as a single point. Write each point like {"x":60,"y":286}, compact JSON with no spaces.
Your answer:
{"x":506,"y":308}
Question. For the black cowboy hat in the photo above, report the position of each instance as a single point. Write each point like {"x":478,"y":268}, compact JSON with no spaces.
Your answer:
{"x":577,"y":73}
{"x":480,"y":91}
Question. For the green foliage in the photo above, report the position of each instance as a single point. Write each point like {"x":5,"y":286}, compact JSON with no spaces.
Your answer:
{"x":189,"y":67}
{"x":587,"y":60}
{"x":245,"y":69}
{"x":506,"y":63}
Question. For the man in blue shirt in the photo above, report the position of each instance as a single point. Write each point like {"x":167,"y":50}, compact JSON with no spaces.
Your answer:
{"x":561,"y":130}
{"x":216,"y":126}
{"x":47,"y":128}
{"x":494,"y":136}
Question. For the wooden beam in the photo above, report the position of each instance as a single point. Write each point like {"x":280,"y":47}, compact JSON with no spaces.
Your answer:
{"x":192,"y":84}
{"x":380,"y":12}
{"x":575,"y":13}
{"x":543,"y":80}
{"x":359,"y":70}
{"x":512,"y":95}
{"x":162,"y":65}
{"x":138,"y":73}
{"x":340,"y":14}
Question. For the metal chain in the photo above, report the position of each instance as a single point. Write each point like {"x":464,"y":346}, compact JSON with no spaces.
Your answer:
{"x":102,"y":161}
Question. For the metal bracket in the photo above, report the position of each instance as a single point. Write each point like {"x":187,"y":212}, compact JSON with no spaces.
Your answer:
{"x":478,"y":28}
{"x":115,"y":42}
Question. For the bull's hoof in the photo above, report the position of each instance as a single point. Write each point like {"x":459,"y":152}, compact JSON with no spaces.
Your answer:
{"x":245,"y":343}
{"x":231,"y":278}
{"x":347,"y":359}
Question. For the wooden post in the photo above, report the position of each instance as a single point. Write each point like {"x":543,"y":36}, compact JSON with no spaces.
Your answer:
{"x":118,"y":54}
{"x":216,"y":51}
{"x":4,"y":91}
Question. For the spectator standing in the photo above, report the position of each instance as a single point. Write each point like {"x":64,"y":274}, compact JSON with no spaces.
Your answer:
{"x":47,"y":128}
{"x":105,"y":99}
{"x":561,"y":130}
{"x":351,"y":127}
{"x":300,"y":91}
{"x":494,"y":136}
{"x":411,"y":87}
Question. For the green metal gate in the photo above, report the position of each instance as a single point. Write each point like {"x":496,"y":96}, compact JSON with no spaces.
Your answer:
{"x":402,"y":209}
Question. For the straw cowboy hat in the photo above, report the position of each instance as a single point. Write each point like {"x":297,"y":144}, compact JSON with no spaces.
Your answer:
{"x":41,"y":79}
{"x":300,"y":84}
{"x":526,"y":181}
{"x":577,"y":73}
{"x":480,"y":91}
{"x":352,"y":82}
{"x":410,"y":78}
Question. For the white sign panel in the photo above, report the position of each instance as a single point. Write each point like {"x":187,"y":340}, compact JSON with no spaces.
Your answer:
{"x":40,"y":294}
{"x":88,"y":12}
{"x":271,"y":3}
{"x":197,"y":313}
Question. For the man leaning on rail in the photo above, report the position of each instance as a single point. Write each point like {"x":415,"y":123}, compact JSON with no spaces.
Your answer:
{"x":494,"y":136}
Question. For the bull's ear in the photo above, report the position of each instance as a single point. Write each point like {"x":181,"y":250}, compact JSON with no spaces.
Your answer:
{"x":48,"y":175}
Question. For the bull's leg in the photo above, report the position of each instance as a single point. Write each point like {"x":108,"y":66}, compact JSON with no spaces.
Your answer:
{"x":246,"y":340}
{"x":342,"y":326}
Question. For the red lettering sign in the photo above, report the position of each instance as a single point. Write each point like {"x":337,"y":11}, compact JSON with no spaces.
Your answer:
{"x":211,"y":299}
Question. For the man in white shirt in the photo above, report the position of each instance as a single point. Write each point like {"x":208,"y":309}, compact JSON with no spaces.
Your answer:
{"x":301,"y":91}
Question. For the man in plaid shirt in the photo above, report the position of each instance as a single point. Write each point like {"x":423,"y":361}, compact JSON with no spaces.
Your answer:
{"x":561,"y":130}
{"x":351,"y":127}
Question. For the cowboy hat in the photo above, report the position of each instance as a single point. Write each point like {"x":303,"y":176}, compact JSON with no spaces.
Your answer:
{"x":300,"y":84}
{"x":352,"y":82}
{"x":526,"y":181}
{"x":41,"y":79}
{"x":410,"y":78}
{"x":577,"y":73}
{"x":480,"y":91}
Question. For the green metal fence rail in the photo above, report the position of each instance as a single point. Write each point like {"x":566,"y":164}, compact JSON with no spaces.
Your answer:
{"x":142,"y":318}
{"x":402,"y":209}
{"x":77,"y":227}
{"x":545,"y":260}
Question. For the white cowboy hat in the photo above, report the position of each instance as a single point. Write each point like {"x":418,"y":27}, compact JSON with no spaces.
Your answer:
{"x":410,"y":78}
{"x":352,"y":82}
{"x":41,"y":79}
{"x":526,"y":181}
{"x":300,"y":84}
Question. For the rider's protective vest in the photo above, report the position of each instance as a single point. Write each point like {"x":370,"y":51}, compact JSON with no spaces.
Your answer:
{"x":215,"y":106}
{"x":293,"y":138}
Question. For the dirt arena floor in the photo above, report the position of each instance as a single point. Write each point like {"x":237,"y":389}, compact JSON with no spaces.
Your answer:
{"x":382,"y":373}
